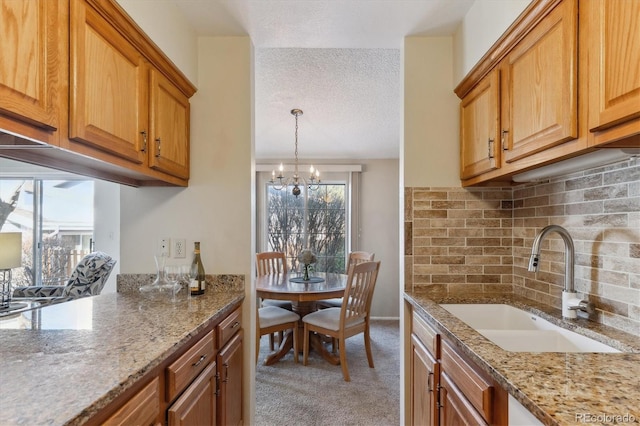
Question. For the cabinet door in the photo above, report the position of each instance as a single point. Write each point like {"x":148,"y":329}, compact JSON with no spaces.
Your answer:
{"x":142,"y":409}
{"x":479,"y":114}
{"x":613,"y":31}
{"x":425,"y":373}
{"x":197,"y":405}
{"x":539,"y":86}
{"x":455,"y":409}
{"x":108,"y":78}
{"x":169,"y":149}
{"x":30,"y":61}
{"x":230,"y":372}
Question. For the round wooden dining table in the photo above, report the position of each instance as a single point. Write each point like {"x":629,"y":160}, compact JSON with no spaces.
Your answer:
{"x":302,"y":296}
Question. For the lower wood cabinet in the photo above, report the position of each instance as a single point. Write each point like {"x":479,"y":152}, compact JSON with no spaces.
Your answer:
{"x":142,"y":409}
{"x":200,"y":385}
{"x":425,"y":382}
{"x":447,"y":388}
{"x":197,"y":405}
{"x":230,"y":377}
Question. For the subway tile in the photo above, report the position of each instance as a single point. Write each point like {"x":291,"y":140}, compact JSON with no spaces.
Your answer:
{"x":465,"y":214}
{"x":622,"y":205}
{"x":606,"y":192}
{"x":448,"y":260}
{"x":631,"y":174}
{"x":429,"y":195}
{"x":429,"y":214}
{"x":583,"y":182}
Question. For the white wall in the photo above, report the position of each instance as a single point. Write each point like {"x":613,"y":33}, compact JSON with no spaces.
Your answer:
{"x":379,"y":186}
{"x":216,"y":209}
{"x":482,"y":26}
{"x":431,"y":145}
{"x":165,"y":24}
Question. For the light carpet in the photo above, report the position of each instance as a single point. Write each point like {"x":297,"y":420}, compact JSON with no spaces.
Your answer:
{"x":292,"y":394}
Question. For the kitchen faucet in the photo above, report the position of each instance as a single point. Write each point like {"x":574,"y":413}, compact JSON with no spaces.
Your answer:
{"x":570,"y":302}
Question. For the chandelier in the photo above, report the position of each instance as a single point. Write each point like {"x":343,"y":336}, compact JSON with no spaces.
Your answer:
{"x":280,"y":182}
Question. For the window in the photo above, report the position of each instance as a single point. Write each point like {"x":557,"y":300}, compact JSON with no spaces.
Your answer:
{"x":315,"y":219}
{"x":55,"y":218}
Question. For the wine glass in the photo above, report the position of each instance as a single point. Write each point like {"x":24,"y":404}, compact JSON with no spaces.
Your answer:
{"x":173,"y":275}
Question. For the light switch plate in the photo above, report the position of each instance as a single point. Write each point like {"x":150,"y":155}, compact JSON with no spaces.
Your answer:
{"x":164,"y":247}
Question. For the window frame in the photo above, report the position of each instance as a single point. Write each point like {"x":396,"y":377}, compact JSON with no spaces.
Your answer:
{"x":334,"y":178}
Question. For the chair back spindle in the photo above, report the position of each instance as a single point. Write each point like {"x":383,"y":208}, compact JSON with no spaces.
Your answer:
{"x":271,"y":262}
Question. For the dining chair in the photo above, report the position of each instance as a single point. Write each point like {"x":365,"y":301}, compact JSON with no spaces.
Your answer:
{"x":355,"y":257}
{"x":273,"y":262}
{"x":351,"y":318}
{"x":271,"y":319}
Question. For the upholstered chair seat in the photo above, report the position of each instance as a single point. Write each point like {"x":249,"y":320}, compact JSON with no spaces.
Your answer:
{"x":87,"y":279}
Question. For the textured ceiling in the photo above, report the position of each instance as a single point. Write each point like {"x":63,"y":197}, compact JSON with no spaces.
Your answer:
{"x":337,"y":60}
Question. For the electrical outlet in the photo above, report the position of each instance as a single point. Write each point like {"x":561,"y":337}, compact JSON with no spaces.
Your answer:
{"x":179,"y":248}
{"x":164,"y":247}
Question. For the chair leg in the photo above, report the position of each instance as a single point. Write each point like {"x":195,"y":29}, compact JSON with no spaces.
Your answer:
{"x":333,"y":345}
{"x":305,"y":346}
{"x":367,"y":345}
{"x":271,"y":336}
{"x":296,"y":344}
{"x":343,"y":359}
{"x":280,"y":337}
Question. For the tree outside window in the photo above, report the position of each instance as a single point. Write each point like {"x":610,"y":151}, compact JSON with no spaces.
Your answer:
{"x":315,"y":219}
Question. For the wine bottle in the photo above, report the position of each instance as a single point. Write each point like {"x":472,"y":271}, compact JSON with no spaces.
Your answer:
{"x":197,"y":273}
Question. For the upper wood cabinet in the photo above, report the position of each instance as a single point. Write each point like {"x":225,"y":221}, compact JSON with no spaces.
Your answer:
{"x":169,"y":134}
{"x":569,"y":82}
{"x":32,"y":67}
{"x":612,"y":30}
{"x":526,"y":103}
{"x":82,"y":76}
{"x":539,"y":82}
{"x":108,"y":80}
{"x":480,"y":127}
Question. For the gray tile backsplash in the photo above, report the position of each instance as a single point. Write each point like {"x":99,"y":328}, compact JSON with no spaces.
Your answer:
{"x":463,"y":240}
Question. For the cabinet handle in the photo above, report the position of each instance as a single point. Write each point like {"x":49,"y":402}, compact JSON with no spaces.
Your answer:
{"x":144,"y":140}
{"x":226,"y":372}
{"x":503,"y":140}
{"x":158,"y":152}
{"x":235,"y":324}
{"x":429,"y":386}
{"x":489,"y":146}
{"x":197,"y":363}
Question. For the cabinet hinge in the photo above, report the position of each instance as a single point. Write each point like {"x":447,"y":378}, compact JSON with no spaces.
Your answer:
{"x":217,"y":384}
{"x":490,"y":146}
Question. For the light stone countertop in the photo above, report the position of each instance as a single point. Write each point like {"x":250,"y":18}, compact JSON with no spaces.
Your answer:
{"x":554,"y":387}
{"x":62,"y":363}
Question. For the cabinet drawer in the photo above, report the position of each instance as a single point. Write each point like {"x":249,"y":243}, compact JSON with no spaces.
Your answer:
{"x":142,"y":409}
{"x":229,"y":326}
{"x":427,"y":335}
{"x":183,"y":370}
{"x":477,"y":390}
